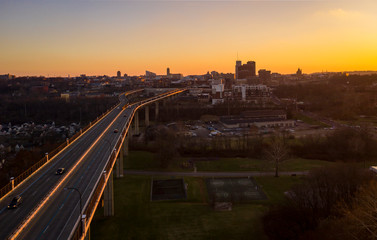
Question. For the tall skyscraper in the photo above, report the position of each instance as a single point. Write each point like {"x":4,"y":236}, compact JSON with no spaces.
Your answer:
{"x":168,"y":71}
{"x":245,"y":71}
{"x":119,"y":74}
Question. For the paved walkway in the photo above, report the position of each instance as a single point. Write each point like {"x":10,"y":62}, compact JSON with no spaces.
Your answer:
{"x":212,"y":174}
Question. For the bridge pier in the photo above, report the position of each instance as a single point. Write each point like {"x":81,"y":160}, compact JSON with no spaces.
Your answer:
{"x":146,"y":116}
{"x":125,"y":145}
{"x":156,"y":112}
{"x":108,"y":197}
{"x":119,"y":164}
{"x":136,"y":119}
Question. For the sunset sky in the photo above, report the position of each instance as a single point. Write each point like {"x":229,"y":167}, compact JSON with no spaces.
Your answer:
{"x":96,"y":37}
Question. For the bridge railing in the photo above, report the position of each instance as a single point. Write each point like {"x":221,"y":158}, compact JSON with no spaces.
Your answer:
{"x":26,"y":174}
{"x":91,"y":206}
{"x":23,"y":176}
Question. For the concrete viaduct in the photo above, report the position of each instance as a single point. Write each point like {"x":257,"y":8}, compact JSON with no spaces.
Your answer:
{"x":63,"y":206}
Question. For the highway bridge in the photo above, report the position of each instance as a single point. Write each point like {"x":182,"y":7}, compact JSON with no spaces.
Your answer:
{"x":62,"y":206}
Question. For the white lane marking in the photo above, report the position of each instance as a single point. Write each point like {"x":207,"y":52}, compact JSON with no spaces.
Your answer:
{"x":46,"y":228}
{"x":99,"y":167}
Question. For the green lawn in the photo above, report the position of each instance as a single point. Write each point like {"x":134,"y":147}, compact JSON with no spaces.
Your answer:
{"x":246,"y":164}
{"x":275,"y":187}
{"x":308,"y":120}
{"x":140,"y":160}
{"x":360,"y":121}
{"x":136,"y":217}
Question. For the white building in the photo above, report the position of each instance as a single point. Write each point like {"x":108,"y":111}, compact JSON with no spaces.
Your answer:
{"x":217,"y":91}
{"x":245,"y":91}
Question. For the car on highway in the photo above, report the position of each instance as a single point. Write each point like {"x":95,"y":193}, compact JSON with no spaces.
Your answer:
{"x":116,"y":130}
{"x":16,"y":201}
{"x":60,"y":171}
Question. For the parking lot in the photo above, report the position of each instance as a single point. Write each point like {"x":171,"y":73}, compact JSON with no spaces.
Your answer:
{"x":216,"y":129}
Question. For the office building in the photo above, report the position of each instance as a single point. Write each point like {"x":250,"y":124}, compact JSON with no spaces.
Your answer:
{"x":245,"y":71}
{"x":264,"y":75}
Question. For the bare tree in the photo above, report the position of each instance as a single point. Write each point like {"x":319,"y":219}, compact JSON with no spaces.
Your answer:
{"x":277,"y":151}
{"x":167,"y":144}
{"x":327,"y":206}
{"x":359,"y":220}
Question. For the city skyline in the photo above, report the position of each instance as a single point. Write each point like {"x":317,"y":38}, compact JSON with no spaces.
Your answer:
{"x":191,"y":37}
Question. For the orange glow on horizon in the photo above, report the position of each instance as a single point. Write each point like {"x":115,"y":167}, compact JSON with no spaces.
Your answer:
{"x":189,"y":37}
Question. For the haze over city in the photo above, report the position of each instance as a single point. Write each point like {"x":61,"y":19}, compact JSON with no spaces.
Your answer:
{"x":54,"y":38}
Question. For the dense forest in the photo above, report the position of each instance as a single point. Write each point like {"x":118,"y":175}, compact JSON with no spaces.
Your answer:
{"x":84,"y":110}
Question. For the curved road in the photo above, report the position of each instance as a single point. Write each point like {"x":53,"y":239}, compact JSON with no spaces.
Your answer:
{"x":84,"y":161}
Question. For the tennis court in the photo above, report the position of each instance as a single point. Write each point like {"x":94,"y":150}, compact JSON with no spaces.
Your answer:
{"x":234,"y":190}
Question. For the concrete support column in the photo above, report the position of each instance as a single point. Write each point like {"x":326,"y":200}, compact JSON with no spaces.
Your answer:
{"x":117,"y":167}
{"x":119,"y":164}
{"x":156,"y":111}
{"x":146,"y":116}
{"x":136,"y":119}
{"x":121,"y":161}
{"x":125,"y":145}
{"x":131,"y":128}
{"x":108,"y":196}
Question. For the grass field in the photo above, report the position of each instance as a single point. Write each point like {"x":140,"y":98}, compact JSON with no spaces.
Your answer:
{"x":139,"y":160}
{"x":136,"y":217}
{"x":142,"y":160}
{"x":309,"y":120}
{"x":244,"y":164}
{"x":361,"y":121}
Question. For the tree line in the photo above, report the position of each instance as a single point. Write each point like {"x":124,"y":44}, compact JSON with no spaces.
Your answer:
{"x":345,"y":144}
{"x":56,"y":110}
{"x":340,"y":97}
{"x":336,"y":202}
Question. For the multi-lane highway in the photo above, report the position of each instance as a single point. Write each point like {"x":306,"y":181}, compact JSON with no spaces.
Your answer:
{"x":37,"y":187}
{"x":84,"y":161}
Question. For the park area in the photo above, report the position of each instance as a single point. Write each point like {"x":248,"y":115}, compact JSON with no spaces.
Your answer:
{"x":234,"y":190}
{"x":185,"y":207}
{"x":143,"y":160}
{"x":137,"y":217}
{"x":168,"y":189}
